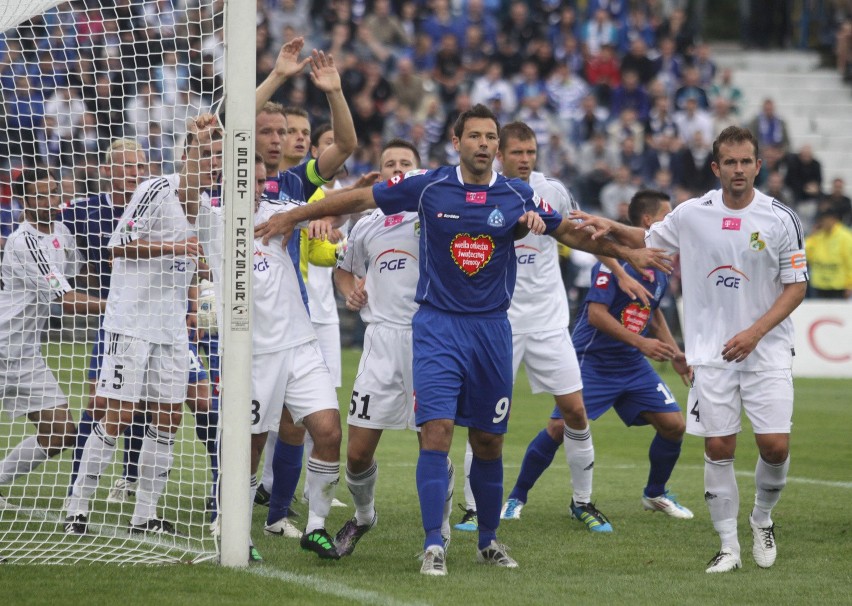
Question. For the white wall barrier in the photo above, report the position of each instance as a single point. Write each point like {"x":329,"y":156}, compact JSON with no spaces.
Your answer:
{"x":823,"y":339}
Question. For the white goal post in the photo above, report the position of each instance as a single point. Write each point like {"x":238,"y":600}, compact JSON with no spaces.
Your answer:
{"x":101,"y":94}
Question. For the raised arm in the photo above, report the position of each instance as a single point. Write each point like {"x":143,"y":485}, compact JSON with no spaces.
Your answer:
{"x":326,"y":78}
{"x":287,"y":65}
{"x":146,"y":249}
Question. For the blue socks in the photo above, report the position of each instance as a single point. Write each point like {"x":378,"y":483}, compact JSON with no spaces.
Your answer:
{"x":663,"y":454}
{"x":286,"y":469}
{"x":432,"y":482}
{"x":486,"y":483}
{"x":133,"y":437}
{"x":206,"y":428}
{"x":538,"y":457}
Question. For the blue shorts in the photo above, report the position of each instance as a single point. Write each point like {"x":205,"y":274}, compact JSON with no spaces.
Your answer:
{"x":197,"y":372}
{"x":462,"y":369}
{"x":639,"y":389}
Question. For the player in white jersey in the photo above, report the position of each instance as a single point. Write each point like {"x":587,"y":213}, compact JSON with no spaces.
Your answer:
{"x":378,"y":276}
{"x":39,"y":263}
{"x":744,"y":272}
{"x":288,"y":368}
{"x":146,"y":363}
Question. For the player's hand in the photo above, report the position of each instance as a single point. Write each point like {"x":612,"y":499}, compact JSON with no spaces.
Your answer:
{"x":634,"y":289}
{"x":657,"y":350}
{"x":277,"y":225}
{"x":357,"y":299}
{"x":288,"y":63}
{"x":682,"y":368}
{"x":740,"y":346}
{"x":187,"y":248}
{"x":320,"y":229}
{"x":323,"y":72}
{"x":649,"y":258}
{"x":595,"y":225}
{"x":533,"y":222}
{"x":367,"y":180}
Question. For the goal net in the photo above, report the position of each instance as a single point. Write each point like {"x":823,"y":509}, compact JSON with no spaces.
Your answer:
{"x":108,"y":437}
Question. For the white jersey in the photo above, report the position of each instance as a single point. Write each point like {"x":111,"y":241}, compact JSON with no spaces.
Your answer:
{"x":148,"y":297}
{"x":735,"y":263}
{"x":34,"y":272}
{"x":211,"y":235}
{"x":280,"y":320}
{"x":539,"y":303}
{"x":386,"y":250}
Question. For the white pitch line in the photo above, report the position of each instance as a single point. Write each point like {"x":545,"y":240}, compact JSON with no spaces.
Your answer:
{"x":742,"y":473}
{"x":329,"y":587}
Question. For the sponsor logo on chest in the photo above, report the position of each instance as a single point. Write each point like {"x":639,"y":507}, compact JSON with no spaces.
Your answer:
{"x":471,"y":253}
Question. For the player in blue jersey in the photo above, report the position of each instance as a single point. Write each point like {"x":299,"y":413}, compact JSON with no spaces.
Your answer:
{"x":296,"y":184}
{"x":462,"y":342}
{"x":612,"y":339}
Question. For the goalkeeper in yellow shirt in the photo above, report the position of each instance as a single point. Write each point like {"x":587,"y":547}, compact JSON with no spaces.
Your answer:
{"x":829,"y":253}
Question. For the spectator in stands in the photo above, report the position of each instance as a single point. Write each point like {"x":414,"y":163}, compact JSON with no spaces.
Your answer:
{"x":637,"y":60}
{"x":565,"y":27}
{"x":636,"y":27}
{"x":660,"y":153}
{"x":566,"y":92}
{"x":669,"y":67}
{"x":596,"y":164}
{"x":589,"y":120}
{"x":705,"y":65}
{"x":838,"y":201}
{"x":660,"y":119}
{"x":441,"y":23}
{"x":530,"y":83}
{"x":624,"y":127}
{"x":776,"y":188}
{"x":769,"y":128}
{"x":829,"y":252}
{"x":570,"y":53}
{"x":630,"y":94}
{"x":519,"y":26}
{"x":694,"y":159}
{"x":385,"y":27}
{"x":491,"y":85}
{"x":677,"y":28}
{"x":804,"y":175}
{"x":691,"y":88}
{"x":508,"y":53}
{"x":722,"y":116}
{"x":843,"y":48}
{"x":448,"y":72}
{"x":409,"y":87}
{"x":293,"y":13}
{"x":476,"y":15}
{"x":540,"y":119}
{"x":726,"y":89}
{"x":603,"y":73}
{"x":633,"y":160}
{"x":692,"y":119}
{"x":423,"y":54}
{"x":615,"y":195}
{"x":598,"y":32}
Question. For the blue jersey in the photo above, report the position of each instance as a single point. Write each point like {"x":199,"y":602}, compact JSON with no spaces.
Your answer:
{"x":467,"y":243}
{"x":296,"y":186}
{"x":92,"y":221}
{"x":596,"y":347}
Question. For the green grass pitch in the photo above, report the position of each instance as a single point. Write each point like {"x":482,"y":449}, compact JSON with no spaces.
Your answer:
{"x":648,"y":558}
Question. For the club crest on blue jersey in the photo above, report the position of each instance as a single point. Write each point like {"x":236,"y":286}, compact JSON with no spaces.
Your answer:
{"x":496,"y":218}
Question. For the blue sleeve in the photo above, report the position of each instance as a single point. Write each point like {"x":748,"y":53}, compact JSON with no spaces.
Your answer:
{"x":304,"y":175}
{"x":532,"y":201}
{"x":401,"y":193}
{"x":604,"y":286}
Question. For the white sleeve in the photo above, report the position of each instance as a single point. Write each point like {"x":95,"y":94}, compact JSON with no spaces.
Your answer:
{"x":791,"y":248}
{"x":665,"y":234}
{"x":34,"y":267}
{"x":141,"y":212}
{"x":354,"y":259}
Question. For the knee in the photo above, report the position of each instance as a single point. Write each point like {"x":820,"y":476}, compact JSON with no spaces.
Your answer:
{"x":487,"y":446}
{"x":774,"y":454}
{"x":555,"y":429}
{"x":719,"y":450}
{"x":673,"y":432}
{"x":357,"y":460}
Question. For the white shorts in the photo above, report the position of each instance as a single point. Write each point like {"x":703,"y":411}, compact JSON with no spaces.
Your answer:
{"x":383,"y":394}
{"x":28,"y":385}
{"x":550,"y":361}
{"x":296,"y":377}
{"x":718,"y":397}
{"x":328,"y":336}
{"x":134,"y":370}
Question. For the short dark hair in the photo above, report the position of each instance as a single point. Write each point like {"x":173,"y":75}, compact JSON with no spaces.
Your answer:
{"x":30,"y":174}
{"x":397,"y":142}
{"x":318,"y":132}
{"x":515,"y":130}
{"x":258,"y":159}
{"x":734,"y":135}
{"x":645,"y":202}
{"x":477,"y":111}
{"x":292,"y":110}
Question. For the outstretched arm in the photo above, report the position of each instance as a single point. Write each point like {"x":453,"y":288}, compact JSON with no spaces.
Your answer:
{"x":634,"y":237}
{"x":287,"y":65}
{"x":335,"y":203}
{"x":326,"y":78}
{"x":640,"y":258}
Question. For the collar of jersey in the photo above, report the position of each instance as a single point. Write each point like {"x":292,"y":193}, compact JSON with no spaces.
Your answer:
{"x":491,"y":183}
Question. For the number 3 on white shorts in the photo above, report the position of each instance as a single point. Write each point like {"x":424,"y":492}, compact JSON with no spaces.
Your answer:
{"x":501,"y":410}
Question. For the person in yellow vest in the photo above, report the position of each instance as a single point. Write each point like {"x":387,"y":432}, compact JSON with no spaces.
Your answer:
{"x":829,"y":253}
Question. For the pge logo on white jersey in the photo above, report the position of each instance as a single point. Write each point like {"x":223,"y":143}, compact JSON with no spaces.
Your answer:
{"x":728,"y":276}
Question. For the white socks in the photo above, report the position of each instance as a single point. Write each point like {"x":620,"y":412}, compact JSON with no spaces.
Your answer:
{"x":723,"y":500}
{"x":362,"y":486}
{"x":769,"y":479}
{"x":580,"y":454}
{"x":25,"y":457}
{"x":155,"y":461}
{"x":97,"y":455}
{"x":321,"y":479}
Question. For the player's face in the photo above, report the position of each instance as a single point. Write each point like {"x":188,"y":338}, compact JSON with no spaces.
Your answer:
{"x":127,"y":169}
{"x":271,"y":133}
{"x":518,"y":158}
{"x":43,"y":199}
{"x":298,"y":138}
{"x":325,"y":141}
{"x":259,"y":183}
{"x":665,"y":208}
{"x":477,"y":145}
{"x":396,"y":161}
{"x":737,"y":168}
{"x":210,"y":162}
